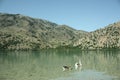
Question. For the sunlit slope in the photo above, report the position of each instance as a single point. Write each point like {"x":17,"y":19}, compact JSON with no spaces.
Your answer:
{"x":108,"y":37}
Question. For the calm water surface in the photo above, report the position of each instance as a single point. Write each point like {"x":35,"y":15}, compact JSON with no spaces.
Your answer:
{"x":47,"y":65}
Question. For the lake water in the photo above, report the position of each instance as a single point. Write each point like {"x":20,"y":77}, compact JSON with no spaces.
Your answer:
{"x":47,"y":65}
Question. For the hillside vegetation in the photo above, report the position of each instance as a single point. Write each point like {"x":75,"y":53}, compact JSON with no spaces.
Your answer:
{"x":106,"y":38}
{"x":18,"y":32}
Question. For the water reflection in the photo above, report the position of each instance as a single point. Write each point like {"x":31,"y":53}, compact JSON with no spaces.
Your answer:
{"x":47,"y":65}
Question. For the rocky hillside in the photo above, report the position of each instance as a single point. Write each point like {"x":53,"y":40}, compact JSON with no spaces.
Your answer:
{"x":18,"y":32}
{"x":108,"y":37}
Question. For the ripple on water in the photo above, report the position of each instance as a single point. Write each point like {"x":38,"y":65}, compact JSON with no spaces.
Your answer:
{"x":88,"y":75}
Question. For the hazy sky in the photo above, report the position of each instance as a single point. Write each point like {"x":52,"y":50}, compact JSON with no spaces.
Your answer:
{"x":85,"y":15}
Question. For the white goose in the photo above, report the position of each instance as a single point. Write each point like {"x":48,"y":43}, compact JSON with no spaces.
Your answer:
{"x":78,"y":65}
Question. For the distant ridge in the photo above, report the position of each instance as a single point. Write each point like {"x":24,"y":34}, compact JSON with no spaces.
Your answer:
{"x":18,"y":32}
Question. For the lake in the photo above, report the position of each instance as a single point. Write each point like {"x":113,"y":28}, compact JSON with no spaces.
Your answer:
{"x":47,"y":65}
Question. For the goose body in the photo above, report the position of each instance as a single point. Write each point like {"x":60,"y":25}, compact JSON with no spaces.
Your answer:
{"x":66,"y":68}
{"x":78,"y":65}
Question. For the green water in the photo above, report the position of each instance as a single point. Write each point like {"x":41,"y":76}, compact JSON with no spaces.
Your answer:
{"x":47,"y":65}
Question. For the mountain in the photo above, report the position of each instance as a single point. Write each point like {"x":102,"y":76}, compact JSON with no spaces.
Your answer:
{"x":105,"y":38}
{"x":18,"y":32}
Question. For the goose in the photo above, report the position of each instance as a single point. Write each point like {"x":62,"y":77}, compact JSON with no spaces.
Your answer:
{"x":78,"y":65}
{"x":66,"y":68}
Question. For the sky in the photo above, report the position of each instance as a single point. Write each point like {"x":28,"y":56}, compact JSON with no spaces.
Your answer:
{"x":87,"y":15}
